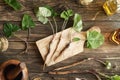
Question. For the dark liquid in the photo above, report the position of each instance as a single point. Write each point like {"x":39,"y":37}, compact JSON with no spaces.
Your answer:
{"x":11,"y":67}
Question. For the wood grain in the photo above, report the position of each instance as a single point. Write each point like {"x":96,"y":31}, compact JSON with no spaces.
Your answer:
{"x":34,"y":60}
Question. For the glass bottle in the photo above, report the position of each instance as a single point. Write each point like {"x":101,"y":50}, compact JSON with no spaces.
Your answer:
{"x":111,"y":7}
{"x":85,"y":2}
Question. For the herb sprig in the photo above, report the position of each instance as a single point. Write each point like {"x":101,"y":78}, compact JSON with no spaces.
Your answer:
{"x":9,"y":29}
{"x":14,"y":4}
{"x":66,"y":15}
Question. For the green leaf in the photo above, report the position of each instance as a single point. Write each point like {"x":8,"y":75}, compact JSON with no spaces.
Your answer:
{"x":27,"y":22}
{"x":66,"y":14}
{"x":14,"y":4}
{"x":116,"y":77}
{"x":9,"y":29}
{"x":75,"y":39}
{"x":77,"y":26}
{"x":42,"y":19}
{"x":43,"y":11}
{"x":94,"y":39}
{"x":108,"y":65}
{"x":53,"y":13}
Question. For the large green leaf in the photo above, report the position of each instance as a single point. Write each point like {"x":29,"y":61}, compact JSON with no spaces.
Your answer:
{"x":14,"y":4}
{"x":66,"y":14}
{"x":94,"y":39}
{"x":27,"y":22}
{"x":9,"y":29}
{"x":42,"y":13}
{"x":77,"y":23}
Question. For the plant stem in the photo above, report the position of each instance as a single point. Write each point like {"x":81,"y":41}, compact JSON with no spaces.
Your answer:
{"x":100,"y":61}
{"x":28,"y":35}
{"x":106,"y":76}
{"x":74,"y":64}
{"x":74,"y":71}
{"x":79,"y":62}
{"x":55,"y":24}
{"x":51,"y":25}
{"x":65,"y":24}
{"x":26,"y":44}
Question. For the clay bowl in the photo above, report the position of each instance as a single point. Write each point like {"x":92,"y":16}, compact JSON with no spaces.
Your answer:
{"x":10,"y":64}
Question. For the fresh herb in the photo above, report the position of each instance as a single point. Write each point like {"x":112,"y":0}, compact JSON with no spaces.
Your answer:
{"x":14,"y":4}
{"x":42,"y":14}
{"x":53,"y":15}
{"x":9,"y":29}
{"x":94,"y":39}
{"x":77,"y":23}
{"x":66,"y":15}
{"x":75,"y":39}
{"x":27,"y":22}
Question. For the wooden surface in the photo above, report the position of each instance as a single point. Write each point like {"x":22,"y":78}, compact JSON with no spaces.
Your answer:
{"x":34,"y":60}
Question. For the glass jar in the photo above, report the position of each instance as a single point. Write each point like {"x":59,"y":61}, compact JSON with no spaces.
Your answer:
{"x":111,"y":7}
{"x":85,"y":2}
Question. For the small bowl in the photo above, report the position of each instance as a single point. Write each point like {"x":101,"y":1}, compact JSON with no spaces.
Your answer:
{"x":6,"y":66}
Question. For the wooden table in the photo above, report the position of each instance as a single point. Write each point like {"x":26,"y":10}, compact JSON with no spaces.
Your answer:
{"x":34,"y":60}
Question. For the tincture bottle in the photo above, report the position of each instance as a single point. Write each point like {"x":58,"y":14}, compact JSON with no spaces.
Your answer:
{"x":111,"y":7}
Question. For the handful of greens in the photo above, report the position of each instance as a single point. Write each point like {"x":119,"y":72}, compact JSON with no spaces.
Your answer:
{"x":94,"y":38}
{"x":9,"y":29}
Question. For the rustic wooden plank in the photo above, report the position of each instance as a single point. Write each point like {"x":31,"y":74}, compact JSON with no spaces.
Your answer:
{"x":63,"y":77}
{"x":17,"y":16}
{"x":34,"y":60}
{"x":7,"y":14}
